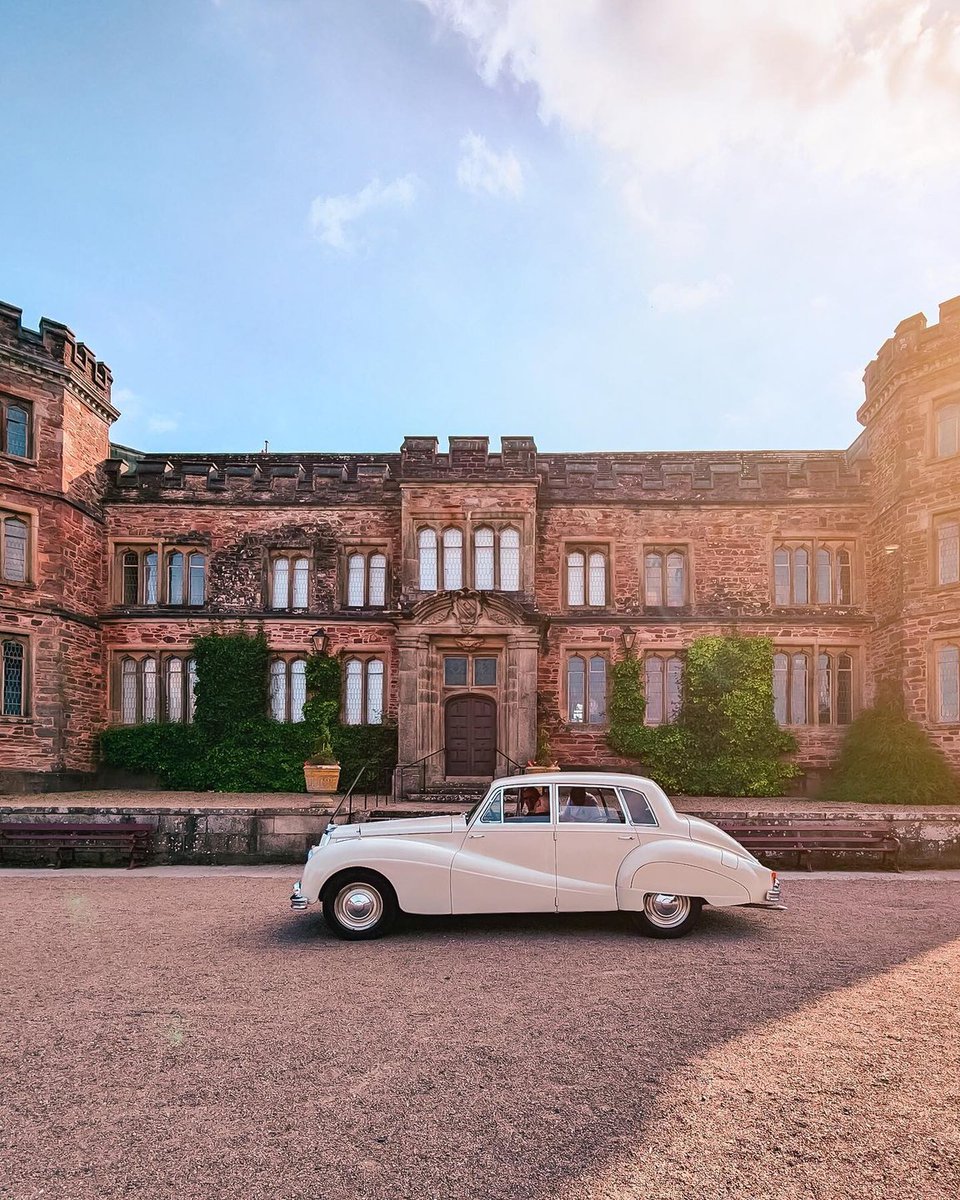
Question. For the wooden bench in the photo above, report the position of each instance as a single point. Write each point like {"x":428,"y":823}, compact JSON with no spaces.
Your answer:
{"x":806,"y":835}
{"x":67,"y":837}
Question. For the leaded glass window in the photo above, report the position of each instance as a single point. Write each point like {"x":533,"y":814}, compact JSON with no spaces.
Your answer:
{"x":377,"y":597}
{"x":298,"y":688}
{"x":197,"y":578}
{"x":834,"y":688}
{"x":790,"y":688}
{"x":452,"y":559}
{"x":483,"y":573}
{"x":665,"y":578}
{"x":14,"y":550}
{"x":948,"y":430}
{"x":587,"y":690}
{"x":130,"y":577}
{"x":175,"y":577}
{"x":663,"y":676}
{"x":427,"y":550}
{"x":14,"y":678}
{"x":17,"y":440}
{"x":191,"y":688}
{"x":148,"y":667}
{"x":813,"y":573}
{"x":576,"y":690}
{"x":289,"y":581}
{"x":364,"y":691}
{"x":510,"y":560}
{"x":129,"y":692}
{"x":356,"y":570}
{"x":948,"y":683}
{"x":174,"y":689}
{"x":375,"y":675}
{"x":948,"y":551}
{"x":586,"y":577}
{"x":576,"y":590}
{"x":278,"y":689}
{"x":280,"y":584}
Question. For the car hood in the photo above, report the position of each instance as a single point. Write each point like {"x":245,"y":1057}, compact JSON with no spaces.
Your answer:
{"x":410,"y":826}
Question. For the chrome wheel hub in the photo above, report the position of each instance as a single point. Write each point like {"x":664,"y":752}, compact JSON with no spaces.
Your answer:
{"x":666,"y":910}
{"x":358,"y":906}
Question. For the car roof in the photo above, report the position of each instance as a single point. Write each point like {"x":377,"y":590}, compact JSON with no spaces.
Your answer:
{"x":576,"y":778}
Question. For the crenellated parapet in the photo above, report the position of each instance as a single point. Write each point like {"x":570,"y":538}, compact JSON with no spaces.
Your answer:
{"x":916,"y":351}
{"x":54,"y":348}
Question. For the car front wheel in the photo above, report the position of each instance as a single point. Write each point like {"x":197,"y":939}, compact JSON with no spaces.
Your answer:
{"x":665,"y":915}
{"x":359,"y":906}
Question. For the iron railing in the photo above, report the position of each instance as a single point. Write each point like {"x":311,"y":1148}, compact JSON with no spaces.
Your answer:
{"x":515,"y":768}
{"x":372,"y":781}
{"x":417,"y":770}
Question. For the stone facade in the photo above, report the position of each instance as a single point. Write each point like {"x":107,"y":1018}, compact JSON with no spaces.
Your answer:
{"x":564,"y":561}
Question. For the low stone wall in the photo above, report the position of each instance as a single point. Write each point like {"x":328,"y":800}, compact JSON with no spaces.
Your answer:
{"x":283,"y":833}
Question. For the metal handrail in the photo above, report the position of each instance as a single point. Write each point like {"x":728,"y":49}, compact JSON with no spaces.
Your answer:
{"x":518,"y":770}
{"x":403,"y":767}
{"x":348,"y":795}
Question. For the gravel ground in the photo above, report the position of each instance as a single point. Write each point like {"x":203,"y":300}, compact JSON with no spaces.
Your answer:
{"x":175,"y":1035}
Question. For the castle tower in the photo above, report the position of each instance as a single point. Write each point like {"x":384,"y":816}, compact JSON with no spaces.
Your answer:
{"x":912,"y":420}
{"x":55,"y":417}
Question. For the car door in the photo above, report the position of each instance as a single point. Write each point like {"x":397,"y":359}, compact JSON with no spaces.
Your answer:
{"x":507,"y":861}
{"x":593,"y":838}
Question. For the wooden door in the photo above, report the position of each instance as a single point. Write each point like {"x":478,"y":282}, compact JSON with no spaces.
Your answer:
{"x":470,"y":736}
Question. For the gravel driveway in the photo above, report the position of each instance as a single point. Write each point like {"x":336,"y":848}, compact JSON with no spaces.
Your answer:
{"x":183,"y":1036}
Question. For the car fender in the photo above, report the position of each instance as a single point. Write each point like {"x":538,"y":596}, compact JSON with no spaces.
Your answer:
{"x":417,"y":870}
{"x":682,"y":868}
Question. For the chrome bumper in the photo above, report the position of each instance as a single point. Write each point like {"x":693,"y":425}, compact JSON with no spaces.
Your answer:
{"x":298,"y":900}
{"x":771,"y":898}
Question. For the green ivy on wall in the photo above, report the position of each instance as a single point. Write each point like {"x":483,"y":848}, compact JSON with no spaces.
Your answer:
{"x":725,"y":740}
{"x":233,"y":745}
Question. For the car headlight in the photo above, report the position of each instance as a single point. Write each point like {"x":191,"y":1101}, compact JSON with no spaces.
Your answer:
{"x":311,"y":852}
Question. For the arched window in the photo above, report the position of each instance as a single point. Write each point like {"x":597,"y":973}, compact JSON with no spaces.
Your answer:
{"x":13,"y":552}
{"x":298,"y":688}
{"x":363,"y":691}
{"x":356,"y":572}
{"x":375,"y":691}
{"x":948,"y":683}
{"x":280,"y":583}
{"x":791,"y":679}
{"x":129,"y":692}
{"x":288,"y":689}
{"x":16,"y":438}
{"x":150,"y":561}
{"x":834,"y":688}
{"x":377,"y":591}
{"x":196,"y":579}
{"x":278,"y":690}
{"x":509,"y":559}
{"x":191,"y":688}
{"x":149,"y":669}
{"x":130,"y":577}
{"x":173,"y":686}
{"x":175,"y":577}
{"x":353,"y":692}
{"x":948,"y":550}
{"x":829,"y":564}
{"x":665,"y":578}
{"x":289,"y":580}
{"x":140,"y":684}
{"x":483,"y":568}
{"x":427,"y":550}
{"x":663,"y":675}
{"x":576,"y":578}
{"x":13,"y":684}
{"x":586,"y":689}
{"x":452,"y":559}
{"x":136,"y":575}
{"x":948,"y":430}
{"x":366,"y":580}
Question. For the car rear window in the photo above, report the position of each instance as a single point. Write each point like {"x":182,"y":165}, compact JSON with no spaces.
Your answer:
{"x":638,"y":807}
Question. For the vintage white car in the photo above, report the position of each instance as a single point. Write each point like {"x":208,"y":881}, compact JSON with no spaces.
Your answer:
{"x":568,"y":842}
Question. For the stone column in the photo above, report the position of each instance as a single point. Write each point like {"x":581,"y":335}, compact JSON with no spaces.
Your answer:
{"x":520,"y":695}
{"x":412,"y":646}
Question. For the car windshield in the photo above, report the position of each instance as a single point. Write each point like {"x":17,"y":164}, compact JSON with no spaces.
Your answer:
{"x":473,"y":811}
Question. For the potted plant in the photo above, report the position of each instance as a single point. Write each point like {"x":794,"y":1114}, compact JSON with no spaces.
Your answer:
{"x":321,"y":771}
{"x":544,"y":760}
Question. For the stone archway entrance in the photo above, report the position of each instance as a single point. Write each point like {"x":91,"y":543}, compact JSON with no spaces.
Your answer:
{"x":470,"y":736}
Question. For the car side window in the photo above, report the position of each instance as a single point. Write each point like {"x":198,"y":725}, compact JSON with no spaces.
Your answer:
{"x":638,"y":807}
{"x":590,"y":805}
{"x":493,"y":813}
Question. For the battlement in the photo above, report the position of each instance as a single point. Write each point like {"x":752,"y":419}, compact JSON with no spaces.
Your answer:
{"x":764,"y":476}
{"x":915,"y":347}
{"x":54,"y":344}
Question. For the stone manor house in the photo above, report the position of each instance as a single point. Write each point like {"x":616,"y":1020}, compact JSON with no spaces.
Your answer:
{"x":459,"y":586}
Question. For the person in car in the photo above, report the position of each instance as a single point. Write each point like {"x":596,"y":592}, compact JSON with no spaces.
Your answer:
{"x":535,"y":802}
{"x":581,"y":805}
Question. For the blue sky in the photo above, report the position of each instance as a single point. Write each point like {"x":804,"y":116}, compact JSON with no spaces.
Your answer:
{"x":330,"y":223}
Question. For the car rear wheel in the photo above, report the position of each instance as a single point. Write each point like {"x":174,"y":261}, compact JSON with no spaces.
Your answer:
{"x":359,"y":906}
{"x":666,"y":915}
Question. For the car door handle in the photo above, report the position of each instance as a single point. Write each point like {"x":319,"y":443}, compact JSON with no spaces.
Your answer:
{"x":476,"y":835}
{"x":625,"y":837}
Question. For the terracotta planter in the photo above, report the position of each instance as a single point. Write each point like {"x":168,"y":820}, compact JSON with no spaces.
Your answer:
{"x":321,"y":778}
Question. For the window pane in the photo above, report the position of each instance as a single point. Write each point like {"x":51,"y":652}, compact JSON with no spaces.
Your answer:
{"x":801,"y":571}
{"x":675,"y":582}
{"x":353,"y":693}
{"x":948,"y":552}
{"x":128,"y":692}
{"x":427,"y":546}
{"x":798,"y":690}
{"x":844,"y":713}
{"x":576,"y":689}
{"x":150,"y":577}
{"x":191,"y":688}
{"x":149,"y":669}
{"x":278,"y":690}
{"x":17,"y":430}
{"x":781,"y":576}
{"x":12,"y":679}
{"x":15,"y":549}
{"x":653,"y":580}
{"x":948,"y":683}
{"x":484,"y":672}
{"x":493,"y":813}
{"x":780,"y":688}
{"x":280,"y":589}
{"x":130,"y":578}
{"x":298,"y":688}
{"x":510,"y":560}
{"x":576,"y":594}
{"x":824,"y":577}
{"x":301,"y":583}
{"x":598,"y":579}
{"x":639,"y":809}
{"x":356,"y":564}
{"x":844,"y":578}
{"x":589,"y":805}
{"x":375,"y":692}
{"x":824,"y":689}
{"x":455,"y":672}
{"x":483,"y":559}
{"x":653,"y":689}
{"x":378,"y":581}
{"x":175,"y":578}
{"x":452,"y":559}
{"x":948,"y":430}
{"x":598,"y":691}
{"x":198,"y":568}
{"x":174,"y":689}
{"x":674,"y":687}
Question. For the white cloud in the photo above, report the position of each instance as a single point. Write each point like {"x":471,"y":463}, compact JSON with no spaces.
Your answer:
{"x":483,"y":170}
{"x":136,"y":418}
{"x":687,"y":297}
{"x":162,"y":424}
{"x":853,"y":89}
{"x":331,"y":217}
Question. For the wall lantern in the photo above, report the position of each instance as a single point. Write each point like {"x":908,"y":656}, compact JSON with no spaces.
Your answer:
{"x":319,"y":640}
{"x":629,"y":638}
